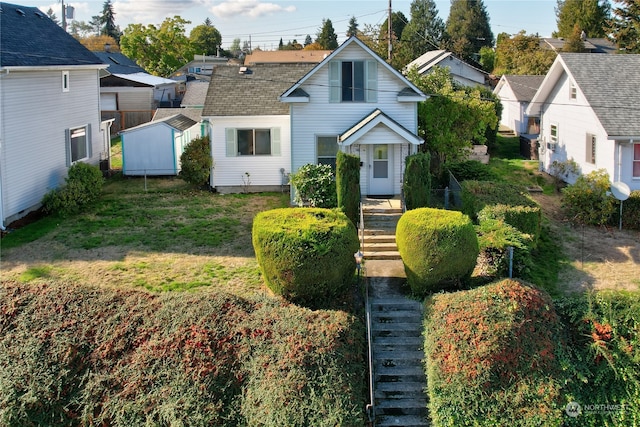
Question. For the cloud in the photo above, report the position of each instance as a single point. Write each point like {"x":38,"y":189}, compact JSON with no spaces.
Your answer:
{"x":151,"y":11}
{"x":250,"y":8}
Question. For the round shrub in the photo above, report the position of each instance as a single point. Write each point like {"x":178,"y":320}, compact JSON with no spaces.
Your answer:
{"x":305,"y":254}
{"x":439,"y":248}
{"x":83,"y":185}
{"x":196,"y":162}
{"x":315,"y":186}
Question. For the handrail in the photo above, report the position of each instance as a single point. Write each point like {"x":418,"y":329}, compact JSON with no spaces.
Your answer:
{"x":371,"y":405}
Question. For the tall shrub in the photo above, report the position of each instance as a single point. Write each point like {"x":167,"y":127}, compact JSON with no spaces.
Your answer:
{"x":439,"y":248}
{"x":305,"y":254}
{"x":417,"y":180}
{"x":315,"y":186}
{"x":587,"y":201}
{"x":196,"y":161}
{"x":348,"y":184}
{"x":83,"y":185}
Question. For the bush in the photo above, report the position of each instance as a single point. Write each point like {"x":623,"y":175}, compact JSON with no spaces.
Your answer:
{"x":631,"y":212}
{"x":491,"y":357}
{"x":587,"y":201}
{"x":526,"y":219}
{"x":470,"y":170}
{"x":494,"y":238}
{"x":439,"y":248}
{"x":603,"y":357}
{"x":348,"y":185}
{"x":80,"y":356}
{"x":196,"y":161}
{"x":315,"y":186}
{"x":305,"y":254}
{"x":417,"y":181}
{"x":83,"y":185}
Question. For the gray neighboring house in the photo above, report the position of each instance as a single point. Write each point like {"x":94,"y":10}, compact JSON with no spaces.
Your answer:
{"x":49,"y":107}
{"x":461,"y":72}
{"x":591,"y":45}
{"x":515,"y":93}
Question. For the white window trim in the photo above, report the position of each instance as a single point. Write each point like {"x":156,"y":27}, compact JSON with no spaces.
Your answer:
{"x":573,"y":91}
{"x":231,"y":141}
{"x":65,"y":81}
{"x":88,"y":148}
{"x":316,"y":147}
{"x":634,"y":160}
{"x":370,"y":81}
{"x":590,"y":148}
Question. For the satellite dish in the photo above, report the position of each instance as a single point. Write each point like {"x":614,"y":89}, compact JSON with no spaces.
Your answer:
{"x":620,"y":190}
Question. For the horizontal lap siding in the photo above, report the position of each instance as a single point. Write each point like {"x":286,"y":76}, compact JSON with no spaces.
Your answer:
{"x":263,"y":170}
{"x":35,"y":115}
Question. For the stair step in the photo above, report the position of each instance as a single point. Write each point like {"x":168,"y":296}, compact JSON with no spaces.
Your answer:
{"x":416,"y":406}
{"x":400,"y":355}
{"x":385,"y":373}
{"x":394,"y":304}
{"x":398,"y":393}
{"x":401,"y":420}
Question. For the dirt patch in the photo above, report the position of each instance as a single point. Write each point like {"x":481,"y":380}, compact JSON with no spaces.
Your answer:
{"x":598,"y":258}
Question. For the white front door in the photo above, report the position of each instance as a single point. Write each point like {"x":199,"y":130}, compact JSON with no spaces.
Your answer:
{"x":381,"y":170}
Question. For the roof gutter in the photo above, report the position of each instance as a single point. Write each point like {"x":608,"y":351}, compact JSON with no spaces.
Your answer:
{"x":54,"y":67}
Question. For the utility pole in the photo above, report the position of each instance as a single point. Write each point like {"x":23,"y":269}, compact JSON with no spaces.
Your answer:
{"x":64,"y":16}
{"x":389,"y":33}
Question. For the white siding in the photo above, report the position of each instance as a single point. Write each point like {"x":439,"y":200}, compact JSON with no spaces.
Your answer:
{"x":319,"y":117}
{"x":150,"y":150}
{"x":264,"y":171}
{"x":35,"y":114}
{"x":626,"y":165}
{"x":512,"y":110}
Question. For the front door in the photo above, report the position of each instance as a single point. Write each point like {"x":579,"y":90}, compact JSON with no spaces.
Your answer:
{"x":381,"y":170}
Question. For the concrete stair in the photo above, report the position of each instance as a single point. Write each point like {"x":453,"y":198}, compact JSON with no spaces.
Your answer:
{"x":380,"y":232}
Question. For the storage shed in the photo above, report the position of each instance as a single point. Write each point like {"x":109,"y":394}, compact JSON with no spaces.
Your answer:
{"x":154,"y":148}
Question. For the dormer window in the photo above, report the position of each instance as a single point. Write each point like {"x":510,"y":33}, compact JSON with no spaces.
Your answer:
{"x":65,"y":81}
{"x":353,"y":81}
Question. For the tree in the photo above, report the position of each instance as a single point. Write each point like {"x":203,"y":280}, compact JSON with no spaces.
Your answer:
{"x":522,"y":55}
{"x":625,"y":25}
{"x":591,"y":16}
{"x":370,"y":35}
{"x":108,"y":22}
{"x":468,"y":28}
{"x":82,"y":29}
{"x":52,"y":16}
{"x":424,"y":32}
{"x":205,"y":38}
{"x":235,"y":47}
{"x":353,"y":27}
{"x":487,"y":58}
{"x":307,"y":40}
{"x":398,"y":24}
{"x":96,"y":43}
{"x":574,"y":42}
{"x":159,"y":50}
{"x":327,"y":37}
{"x":281,"y":44}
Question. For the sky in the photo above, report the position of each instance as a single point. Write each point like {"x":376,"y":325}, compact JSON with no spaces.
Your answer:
{"x":264,"y":22}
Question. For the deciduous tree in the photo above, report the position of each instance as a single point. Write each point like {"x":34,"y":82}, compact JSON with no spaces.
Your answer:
{"x":522,"y":55}
{"x":205,"y":38}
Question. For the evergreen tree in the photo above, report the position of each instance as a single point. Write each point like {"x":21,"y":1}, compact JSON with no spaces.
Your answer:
{"x":574,"y":42}
{"x":205,"y":38}
{"x":281,"y":44}
{"x":625,"y":25}
{"x":353,"y":27}
{"x":108,"y":22}
{"x":52,"y":16}
{"x":591,"y":16}
{"x":425,"y":31}
{"x":398,"y":24}
{"x":468,"y":28}
{"x":307,"y":40}
{"x":327,"y":37}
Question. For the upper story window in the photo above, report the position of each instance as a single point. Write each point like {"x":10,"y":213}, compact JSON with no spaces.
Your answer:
{"x":573,"y":91}
{"x":353,"y":81}
{"x":65,"y":81}
{"x":253,"y":142}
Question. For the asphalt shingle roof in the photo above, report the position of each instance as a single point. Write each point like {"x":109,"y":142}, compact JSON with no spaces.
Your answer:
{"x":28,"y":37}
{"x":611,"y":85}
{"x":254,"y":93}
{"x":119,"y":63}
{"x":524,"y":87}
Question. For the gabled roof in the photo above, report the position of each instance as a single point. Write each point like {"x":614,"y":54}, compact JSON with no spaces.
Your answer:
{"x":119,"y":63}
{"x":282,"y":56}
{"x":609,"y":83}
{"x":434,"y":58}
{"x":29,"y":38}
{"x":195,"y":94}
{"x":523,"y":87}
{"x":177,"y":121}
{"x":251,"y":93}
{"x":350,"y":40}
{"x":375,"y":118}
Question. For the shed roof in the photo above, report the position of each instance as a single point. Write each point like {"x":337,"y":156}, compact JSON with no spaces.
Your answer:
{"x":177,"y":121}
{"x":146,"y":78}
{"x":29,"y":38}
{"x":252,"y":93}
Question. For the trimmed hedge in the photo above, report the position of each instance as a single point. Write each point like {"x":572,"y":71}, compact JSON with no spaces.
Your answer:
{"x":491,"y":357}
{"x":83,"y":356}
{"x":417,"y":181}
{"x":305,"y":254}
{"x":439,"y":248}
{"x":630,"y":212}
{"x":483,"y":200}
{"x":494,"y":238}
{"x":348,"y":185}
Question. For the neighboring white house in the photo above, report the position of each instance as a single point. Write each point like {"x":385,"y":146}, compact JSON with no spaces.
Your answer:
{"x":515,"y":93}
{"x":461,"y":72}
{"x":50,"y":108}
{"x":588,"y":105}
{"x":155,"y":148}
{"x":269,"y":120}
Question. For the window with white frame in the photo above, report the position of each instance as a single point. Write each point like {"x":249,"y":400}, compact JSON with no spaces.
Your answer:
{"x":590,"y":149}
{"x":78,"y":144}
{"x":353,"y":81}
{"x":553,"y":137}
{"x":65,"y":81}
{"x":253,"y":142}
{"x":636,"y":160}
{"x":573,"y":91}
{"x":327,"y":149}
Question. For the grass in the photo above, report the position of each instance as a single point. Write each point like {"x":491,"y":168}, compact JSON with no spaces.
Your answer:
{"x":116,"y":153}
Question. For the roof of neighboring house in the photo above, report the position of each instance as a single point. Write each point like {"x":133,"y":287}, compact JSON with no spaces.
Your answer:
{"x":163,"y":113}
{"x":195,"y":94}
{"x":29,"y":38}
{"x":119,"y":63}
{"x":432,"y":58}
{"x":282,"y":56}
{"x":177,"y":121}
{"x":523,"y":87}
{"x":592,"y":45}
{"x":146,"y":78}
{"x":254,"y":92}
{"x":610,"y":84}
